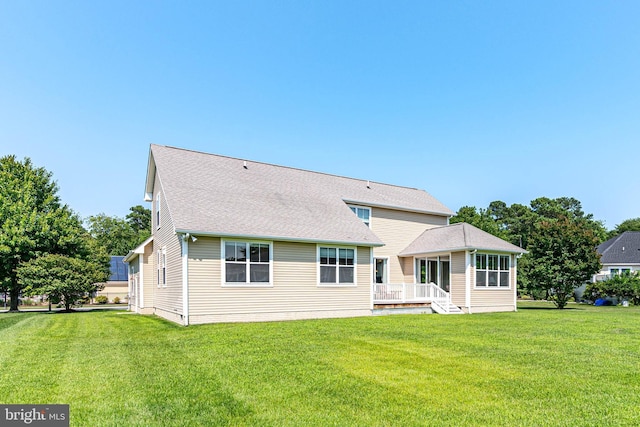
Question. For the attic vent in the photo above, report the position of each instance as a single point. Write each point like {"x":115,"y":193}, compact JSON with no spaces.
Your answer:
{"x":368,"y":184}
{"x":244,"y":164}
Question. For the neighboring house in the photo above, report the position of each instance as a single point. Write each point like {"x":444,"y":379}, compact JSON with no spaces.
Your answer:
{"x":619,"y":255}
{"x":117,"y":285}
{"x":237,"y":240}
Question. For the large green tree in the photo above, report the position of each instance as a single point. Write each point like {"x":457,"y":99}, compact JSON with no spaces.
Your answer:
{"x":117,"y":235}
{"x":33,"y":221}
{"x":562,"y":256}
{"x":481,"y":218}
{"x":63,"y":279}
{"x":113,"y":233}
{"x":631,"y":224}
{"x":139,"y":218}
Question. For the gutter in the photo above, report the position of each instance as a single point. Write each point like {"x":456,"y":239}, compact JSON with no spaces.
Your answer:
{"x":276,"y":238}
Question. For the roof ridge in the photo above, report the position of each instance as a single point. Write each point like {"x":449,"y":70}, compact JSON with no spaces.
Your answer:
{"x":290,"y":167}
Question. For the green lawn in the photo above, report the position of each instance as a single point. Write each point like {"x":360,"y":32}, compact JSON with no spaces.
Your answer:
{"x":539,"y":366}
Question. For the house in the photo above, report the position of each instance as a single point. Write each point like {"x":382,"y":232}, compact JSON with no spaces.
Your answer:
{"x":117,"y":286}
{"x":619,"y":255}
{"x":237,"y":240}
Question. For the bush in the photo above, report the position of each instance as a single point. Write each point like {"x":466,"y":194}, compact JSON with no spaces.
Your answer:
{"x":101,"y":299}
{"x":622,"y":286}
{"x":116,"y":300}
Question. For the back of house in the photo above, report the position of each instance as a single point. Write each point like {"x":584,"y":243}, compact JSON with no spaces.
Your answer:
{"x":238,"y":240}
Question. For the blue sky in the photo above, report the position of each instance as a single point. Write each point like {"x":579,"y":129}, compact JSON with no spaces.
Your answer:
{"x":471,"y":101}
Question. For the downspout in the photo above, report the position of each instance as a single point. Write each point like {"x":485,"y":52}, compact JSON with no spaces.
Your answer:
{"x":371,"y":278}
{"x":185,"y":278}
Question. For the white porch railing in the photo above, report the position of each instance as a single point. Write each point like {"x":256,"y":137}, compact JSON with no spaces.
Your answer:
{"x":393,"y":293}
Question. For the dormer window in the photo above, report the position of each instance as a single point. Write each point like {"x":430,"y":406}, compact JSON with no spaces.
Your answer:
{"x":363,"y":213}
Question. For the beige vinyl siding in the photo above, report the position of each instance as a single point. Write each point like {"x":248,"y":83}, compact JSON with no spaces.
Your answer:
{"x":397,"y":229}
{"x":149,"y":277}
{"x":407,"y":265}
{"x":295,"y":287}
{"x":493,"y":299}
{"x":458,"y":279}
{"x":118,"y":289}
{"x":364,"y":273}
{"x":167,"y":299}
{"x":204,"y":275}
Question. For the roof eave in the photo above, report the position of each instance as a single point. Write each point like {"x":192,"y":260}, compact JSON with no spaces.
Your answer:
{"x":397,"y":208}
{"x":462,"y":248}
{"x":277,"y":238}
{"x":139,"y":250}
{"x":151,"y":174}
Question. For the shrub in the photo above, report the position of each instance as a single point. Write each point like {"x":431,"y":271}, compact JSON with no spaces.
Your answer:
{"x":622,"y":286}
{"x":101,"y":299}
{"x":116,"y":300}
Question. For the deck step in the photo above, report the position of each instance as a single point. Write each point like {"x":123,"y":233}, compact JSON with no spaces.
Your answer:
{"x":452,"y":309}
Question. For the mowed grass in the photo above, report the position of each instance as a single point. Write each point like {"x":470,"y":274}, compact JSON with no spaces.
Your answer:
{"x":539,"y":366}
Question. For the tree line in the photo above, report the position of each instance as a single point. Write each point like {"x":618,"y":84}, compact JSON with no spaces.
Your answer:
{"x":45,"y":248}
{"x":560,"y":239}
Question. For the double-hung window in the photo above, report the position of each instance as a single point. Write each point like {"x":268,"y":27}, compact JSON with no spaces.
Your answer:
{"x":161,"y":263}
{"x":158,"y":203}
{"x":492,"y":271}
{"x":247,"y":262}
{"x":337,"y":265}
{"x":363,"y":213}
{"x":621,"y":270}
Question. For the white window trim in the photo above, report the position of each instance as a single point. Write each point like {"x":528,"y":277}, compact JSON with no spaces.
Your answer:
{"x":337,"y":285}
{"x":158,"y":256}
{"x":491,"y":288}
{"x":223,"y":266}
{"x":161,"y":261}
{"x":625,"y":267}
{"x":373,"y":267}
{"x":158,"y":210}
{"x":362,"y":207}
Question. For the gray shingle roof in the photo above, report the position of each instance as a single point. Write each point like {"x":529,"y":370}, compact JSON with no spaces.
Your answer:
{"x":622,"y":249}
{"x":460,"y":236}
{"x":218,"y":195}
